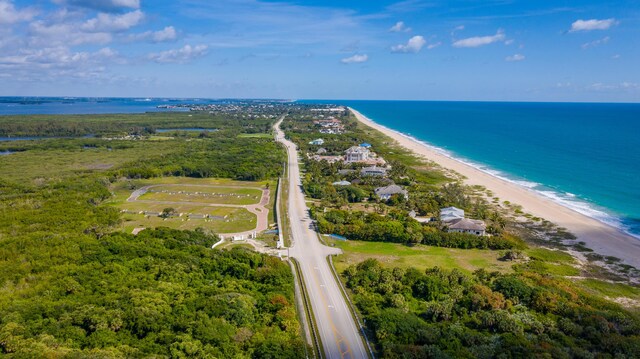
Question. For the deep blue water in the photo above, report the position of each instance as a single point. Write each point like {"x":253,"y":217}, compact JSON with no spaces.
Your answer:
{"x":584,"y":155}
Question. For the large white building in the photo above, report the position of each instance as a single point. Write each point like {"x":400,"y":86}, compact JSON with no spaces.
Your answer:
{"x":454,"y":221}
{"x":357,"y":154}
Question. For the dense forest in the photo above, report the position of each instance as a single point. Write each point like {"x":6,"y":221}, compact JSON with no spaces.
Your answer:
{"x":72,"y":287}
{"x":134,"y":124}
{"x":448,"y":314}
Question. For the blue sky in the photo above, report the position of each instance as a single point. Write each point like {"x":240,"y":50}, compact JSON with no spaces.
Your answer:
{"x":414,"y":50}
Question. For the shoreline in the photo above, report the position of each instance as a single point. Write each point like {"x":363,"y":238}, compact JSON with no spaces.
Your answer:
{"x":602,"y":238}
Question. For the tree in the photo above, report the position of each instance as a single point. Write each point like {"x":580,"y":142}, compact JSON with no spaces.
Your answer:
{"x":168,"y":212}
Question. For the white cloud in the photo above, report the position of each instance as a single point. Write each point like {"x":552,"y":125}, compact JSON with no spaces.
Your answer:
{"x":434,"y":45}
{"x":623,"y":86}
{"x":615,"y":57}
{"x":515,"y":58}
{"x":113,"y":23}
{"x":414,"y":45}
{"x":355,"y":59}
{"x":43,"y":34}
{"x":593,"y":24}
{"x":59,"y":63}
{"x":456,"y":29}
{"x":102,"y":5}
{"x":595,"y":43}
{"x":10,"y":15}
{"x":478,"y":41}
{"x":179,"y":56}
{"x":399,"y":27}
{"x":167,"y":34}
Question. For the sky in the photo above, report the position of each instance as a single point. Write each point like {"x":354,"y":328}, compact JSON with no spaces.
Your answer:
{"x":491,"y":50}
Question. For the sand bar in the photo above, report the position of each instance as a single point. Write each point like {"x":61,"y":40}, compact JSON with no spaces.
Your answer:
{"x":602,"y":238}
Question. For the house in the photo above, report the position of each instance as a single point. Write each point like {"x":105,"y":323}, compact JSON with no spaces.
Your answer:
{"x":342,"y":183}
{"x":357,"y":154}
{"x":317,"y":142}
{"x":373,"y":171}
{"x":365,"y":145}
{"x":451,"y":213}
{"x":465,"y":225}
{"x":384,"y":193}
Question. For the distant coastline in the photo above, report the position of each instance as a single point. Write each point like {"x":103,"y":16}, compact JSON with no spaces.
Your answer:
{"x":598,"y":235}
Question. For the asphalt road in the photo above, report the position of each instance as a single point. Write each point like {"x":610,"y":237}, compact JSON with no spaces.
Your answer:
{"x":338,"y":331}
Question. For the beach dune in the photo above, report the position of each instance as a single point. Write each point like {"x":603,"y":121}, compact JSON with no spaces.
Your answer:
{"x":603,"y":239}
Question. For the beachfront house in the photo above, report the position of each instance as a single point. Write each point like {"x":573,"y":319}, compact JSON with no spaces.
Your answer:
{"x":317,"y":142}
{"x":373,"y":171}
{"x":357,"y":154}
{"x":385,"y":193}
{"x":451,"y":213}
{"x":466,"y":225}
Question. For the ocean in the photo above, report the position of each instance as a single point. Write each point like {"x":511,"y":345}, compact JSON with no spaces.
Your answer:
{"x":585,"y":156}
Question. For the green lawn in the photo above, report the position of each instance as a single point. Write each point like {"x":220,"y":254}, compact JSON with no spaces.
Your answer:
{"x":419,"y":256}
{"x":237,"y":220}
{"x":612,"y":290}
{"x":202,"y":194}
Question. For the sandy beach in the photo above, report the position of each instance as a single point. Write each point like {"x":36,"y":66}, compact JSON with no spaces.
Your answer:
{"x":603,"y":239}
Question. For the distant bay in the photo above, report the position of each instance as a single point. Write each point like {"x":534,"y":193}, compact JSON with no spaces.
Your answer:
{"x":94,"y":105}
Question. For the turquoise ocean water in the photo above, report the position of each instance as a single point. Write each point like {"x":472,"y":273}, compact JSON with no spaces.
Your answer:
{"x":585,"y":156}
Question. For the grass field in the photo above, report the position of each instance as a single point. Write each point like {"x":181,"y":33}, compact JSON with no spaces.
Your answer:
{"x":419,"y":256}
{"x":36,"y":163}
{"x":612,"y":290}
{"x":234,"y":219}
{"x":237,"y":220}
{"x":203,"y":194}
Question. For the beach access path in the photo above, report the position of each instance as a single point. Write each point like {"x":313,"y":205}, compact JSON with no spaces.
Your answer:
{"x":603,"y":239}
{"x":339,"y":333}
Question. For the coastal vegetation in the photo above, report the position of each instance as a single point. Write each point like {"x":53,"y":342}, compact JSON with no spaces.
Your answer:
{"x":501,"y":295}
{"x":355,"y":211}
{"x":132,"y":124}
{"x":76,"y":285}
{"x":449,"y":314}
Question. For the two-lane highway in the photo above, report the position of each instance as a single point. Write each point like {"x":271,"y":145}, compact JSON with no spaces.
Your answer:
{"x":337,"y":329}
